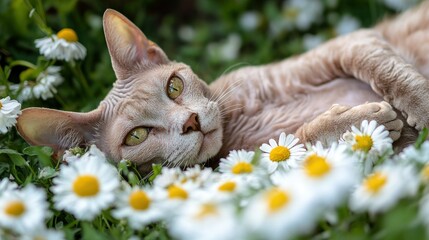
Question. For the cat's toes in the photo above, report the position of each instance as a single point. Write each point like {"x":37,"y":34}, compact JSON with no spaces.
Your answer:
{"x":394,"y":127}
{"x":338,"y":109}
{"x":382,"y":112}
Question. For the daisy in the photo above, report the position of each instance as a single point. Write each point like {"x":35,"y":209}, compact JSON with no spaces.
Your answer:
{"x":24,"y":210}
{"x":9,"y":111}
{"x":330,"y":173}
{"x":384,"y":187}
{"x":414,"y":155}
{"x":281,"y":212}
{"x":199,"y":176}
{"x":43,"y":234}
{"x":225,"y":188}
{"x":6,"y":185}
{"x":85,"y":187}
{"x":239,"y":164}
{"x":137,"y":206}
{"x":302,"y":13}
{"x":206,"y":220}
{"x":73,"y":154}
{"x":168,"y":177}
{"x":43,"y":87}
{"x":370,"y":140}
{"x":62,"y":46}
{"x":170,"y":200}
{"x":283,"y":155}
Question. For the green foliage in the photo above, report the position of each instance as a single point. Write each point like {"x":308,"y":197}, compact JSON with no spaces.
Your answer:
{"x":194,"y":32}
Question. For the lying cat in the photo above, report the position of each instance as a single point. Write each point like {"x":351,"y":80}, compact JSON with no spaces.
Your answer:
{"x":159,"y":111}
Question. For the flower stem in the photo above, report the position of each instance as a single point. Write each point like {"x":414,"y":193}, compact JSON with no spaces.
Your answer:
{"x":77,"y":71}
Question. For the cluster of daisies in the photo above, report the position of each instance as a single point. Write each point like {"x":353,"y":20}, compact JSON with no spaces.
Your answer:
{"x":279,"y":192}
{"x":40,"y":82}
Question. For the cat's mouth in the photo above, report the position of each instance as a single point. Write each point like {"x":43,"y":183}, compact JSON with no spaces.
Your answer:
{"x":210,"y":144}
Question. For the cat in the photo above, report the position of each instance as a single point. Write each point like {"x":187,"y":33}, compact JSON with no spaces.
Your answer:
{"x":159,"y":111}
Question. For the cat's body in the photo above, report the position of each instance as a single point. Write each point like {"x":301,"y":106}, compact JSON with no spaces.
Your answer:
{"x":160,"y":112}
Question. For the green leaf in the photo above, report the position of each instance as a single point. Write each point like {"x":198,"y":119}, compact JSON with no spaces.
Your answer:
{"x":157,"y":168}
{"x":18,"y":160}
{"x":14,"y":156}
{"x":422,"y":138}
{"x":90,"y":233}
{"x":43,"y":154}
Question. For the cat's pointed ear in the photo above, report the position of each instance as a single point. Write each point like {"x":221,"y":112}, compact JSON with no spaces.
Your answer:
{"x":129,"y":48}
{"x":57,"y":129}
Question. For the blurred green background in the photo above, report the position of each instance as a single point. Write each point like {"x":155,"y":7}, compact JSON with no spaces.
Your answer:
{"x":211,"y":36}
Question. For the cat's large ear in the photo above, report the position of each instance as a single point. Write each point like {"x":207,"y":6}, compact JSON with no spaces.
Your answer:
{"x":129,"y":48}
{"x":57,"y":129}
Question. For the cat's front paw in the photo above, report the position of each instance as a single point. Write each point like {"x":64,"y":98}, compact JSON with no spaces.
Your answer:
{"x":381,"y":112}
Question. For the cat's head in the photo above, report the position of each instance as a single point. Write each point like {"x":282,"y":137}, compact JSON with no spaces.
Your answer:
{"x":158,"y":110}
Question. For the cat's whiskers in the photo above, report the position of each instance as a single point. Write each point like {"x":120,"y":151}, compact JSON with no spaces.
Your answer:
{"x":227,"y":70}
{"x":222,"y":98}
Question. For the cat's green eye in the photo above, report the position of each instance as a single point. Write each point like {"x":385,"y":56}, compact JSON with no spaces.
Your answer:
{"x":136,"y":136}
{"x":174,"y":87}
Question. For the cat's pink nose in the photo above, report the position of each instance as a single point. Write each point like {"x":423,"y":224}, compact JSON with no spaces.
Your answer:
{"x":192,"y":124}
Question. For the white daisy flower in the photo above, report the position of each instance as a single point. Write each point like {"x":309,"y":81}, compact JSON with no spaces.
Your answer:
{"x":226,"y":50}
{"x":384,"y":187}
{"x":369,"y":142}
{"x":170,"y":200}
{"x":9,"y":111}
{"x":249,"y":21}
{"x":281,"y":212}
{"x":62,"y":46}
{"x":311,"y":41}
{"x":347,"y":24}
{"x":7,"y":185}
{"x":412,"y":154}
{"x":137,"y":205}
{"x":199,"y":176}
{"x":44,"y":87}
{"x":43,"y":234}
{"x":224,"y":189}
{"x":206,"y":220}
{"x":85,"y":187}
{"x":329,"y":172}
{"x":283,"y":155}
{"x":239,"y":164}
{"x":168,"y":177}
{"x":73,"y":154}
{"x":23,"y":210}
{"x":302,"y":13}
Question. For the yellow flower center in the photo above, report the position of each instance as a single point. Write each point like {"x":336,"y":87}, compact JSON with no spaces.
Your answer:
{"x":15,"y":209}
{"x":86,"y":186}
{"x":206,"y":210}
{"x":67,"y":34}
{"x":177,"y":192}
{"x":139,"y":200}
{"x":242,"y":167}
{"x":375,"y":182}
{"x":1,"y":105}
{"x":277,"y":199}
{"x":228,"y":186}
{"x":425,"y":172}
{"x":279,"y":154}
{"x":316,"y":166}
{"x":363,"y":143}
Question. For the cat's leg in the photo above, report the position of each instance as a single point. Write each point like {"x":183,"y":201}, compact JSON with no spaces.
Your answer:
{"x":329,"y":126}
{"x":366,"y":56}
